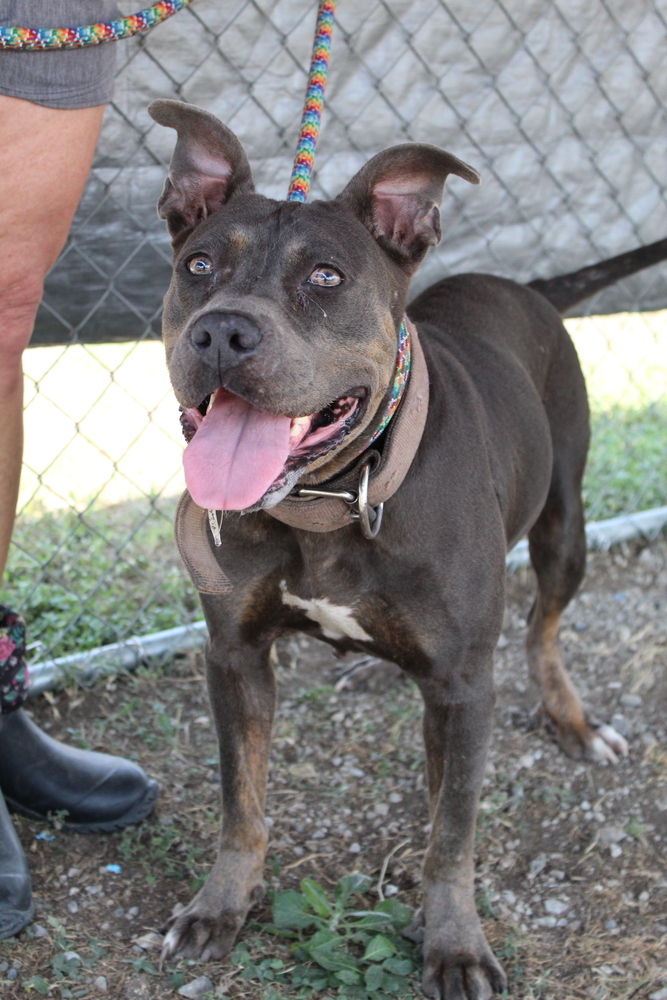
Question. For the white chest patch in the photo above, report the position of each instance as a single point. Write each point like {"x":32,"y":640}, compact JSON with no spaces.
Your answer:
{"x":335,"y":621}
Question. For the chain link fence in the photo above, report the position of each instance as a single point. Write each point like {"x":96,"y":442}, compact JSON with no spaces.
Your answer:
{"x":562,"y":108}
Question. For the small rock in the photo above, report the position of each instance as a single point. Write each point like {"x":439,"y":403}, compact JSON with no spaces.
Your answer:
{"x":556,"y":906}
{"x":381,"y":809}
{"x":630,"y":700}
{"x":101,"y":984}
{"x":395,"y":798}
{"x":118,"y":912}
{"x":390,"y":890}
{"x":38,"y":931}
{"x":196,"y":988}
{"x":132,"y":912}
{"x":70,"y":956}
{"x":72,"y":907}
{"x":616,"y":850}
{"x":537,"y":865}
{"x":12,"y":974}
{"x":611,"y":835}
{"x":545,"y":922}
{"x":611,"y":925}
{"x":659,"y":994}
{"x":150,"y":940}
{"x":354,"y":848}
{"x":621,"y":725}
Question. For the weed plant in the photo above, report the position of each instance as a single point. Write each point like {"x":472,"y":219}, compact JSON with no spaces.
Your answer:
{"x":336,"y":946}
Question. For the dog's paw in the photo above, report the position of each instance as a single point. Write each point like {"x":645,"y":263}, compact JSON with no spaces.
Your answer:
{"x":195,"y":934}
{"x":461,"y":969}
{"x":207,"y":928}
{"x":458,"y":963}
{"x":583,"y":739}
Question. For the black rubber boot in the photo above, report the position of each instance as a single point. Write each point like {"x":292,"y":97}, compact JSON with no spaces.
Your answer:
{"x":39,"y":776}
{"x":16,"y":908}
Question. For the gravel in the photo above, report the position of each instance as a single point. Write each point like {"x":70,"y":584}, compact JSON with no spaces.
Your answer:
{"x":570,"y":858}
{"x":196,"y":988}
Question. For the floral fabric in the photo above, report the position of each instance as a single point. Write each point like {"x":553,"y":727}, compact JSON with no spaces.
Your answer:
{"x":13,"y":667}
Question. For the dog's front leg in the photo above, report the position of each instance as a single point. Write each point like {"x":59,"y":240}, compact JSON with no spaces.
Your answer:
{"x":242,"y":694}
{"x":458,"y":963}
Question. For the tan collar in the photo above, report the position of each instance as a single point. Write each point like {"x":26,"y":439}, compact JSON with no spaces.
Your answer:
{"x":388,"y":470}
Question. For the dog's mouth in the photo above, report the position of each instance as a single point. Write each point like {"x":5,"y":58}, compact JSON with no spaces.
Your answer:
{"x":238,"y":453}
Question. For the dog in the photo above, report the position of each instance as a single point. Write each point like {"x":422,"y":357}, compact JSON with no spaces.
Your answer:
{"x":280,"y":327}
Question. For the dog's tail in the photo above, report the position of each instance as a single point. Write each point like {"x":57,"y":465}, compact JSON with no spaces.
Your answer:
{"x":568,"y":290}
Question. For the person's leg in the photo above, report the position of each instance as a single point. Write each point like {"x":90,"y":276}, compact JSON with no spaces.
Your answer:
{"x":45,"y":157}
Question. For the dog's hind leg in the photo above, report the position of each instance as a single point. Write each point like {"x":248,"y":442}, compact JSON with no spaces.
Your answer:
{"x":557,"y":545}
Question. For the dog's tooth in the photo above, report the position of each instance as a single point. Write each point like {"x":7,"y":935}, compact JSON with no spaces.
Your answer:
{"x":298,"y":426}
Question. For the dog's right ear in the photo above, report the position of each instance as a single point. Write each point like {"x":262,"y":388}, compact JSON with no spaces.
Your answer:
{"x":207,"y":167}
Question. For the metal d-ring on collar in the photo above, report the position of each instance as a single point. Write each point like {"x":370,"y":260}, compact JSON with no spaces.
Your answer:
{"x":369,"y":518}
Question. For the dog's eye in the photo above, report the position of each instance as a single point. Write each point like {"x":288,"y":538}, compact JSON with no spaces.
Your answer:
{"x":200,"y":264}
{"x":325,"y":276}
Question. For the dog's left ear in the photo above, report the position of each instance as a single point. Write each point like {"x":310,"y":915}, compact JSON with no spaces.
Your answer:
{"x":207,"y":166}
{"x":396,"y":196}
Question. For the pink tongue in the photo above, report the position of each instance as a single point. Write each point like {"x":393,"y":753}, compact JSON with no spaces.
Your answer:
{"x":237,"y":452}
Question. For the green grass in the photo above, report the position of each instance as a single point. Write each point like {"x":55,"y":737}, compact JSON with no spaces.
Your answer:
{"x":627,"y":462}
{"x":91,"y":579}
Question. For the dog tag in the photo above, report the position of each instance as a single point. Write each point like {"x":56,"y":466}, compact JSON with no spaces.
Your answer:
{"x":215,"y":527}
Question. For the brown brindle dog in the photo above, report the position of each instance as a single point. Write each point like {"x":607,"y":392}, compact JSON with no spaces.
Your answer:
{"x":284,"y":317}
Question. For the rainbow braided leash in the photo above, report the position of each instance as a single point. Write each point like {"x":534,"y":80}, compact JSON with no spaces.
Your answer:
{"x":90,"y":34}
{"x":302,"y":171}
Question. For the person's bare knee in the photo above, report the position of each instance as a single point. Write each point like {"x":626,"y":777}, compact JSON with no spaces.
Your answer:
{"x":19,"y":301}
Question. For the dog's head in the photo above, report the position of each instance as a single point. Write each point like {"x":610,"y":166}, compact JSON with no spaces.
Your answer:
{"x":280,"y":322}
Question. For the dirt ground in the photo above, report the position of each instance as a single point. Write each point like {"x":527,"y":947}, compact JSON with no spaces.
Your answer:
{"x":571,"y":873}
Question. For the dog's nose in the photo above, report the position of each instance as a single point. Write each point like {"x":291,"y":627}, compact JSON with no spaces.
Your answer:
{"x":225,"y":338}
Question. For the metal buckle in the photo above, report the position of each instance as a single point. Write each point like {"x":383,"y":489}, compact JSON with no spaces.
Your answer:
{"x":369,"y":518}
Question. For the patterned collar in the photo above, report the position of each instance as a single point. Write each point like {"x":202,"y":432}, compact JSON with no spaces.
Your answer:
{"x":401,"y":373}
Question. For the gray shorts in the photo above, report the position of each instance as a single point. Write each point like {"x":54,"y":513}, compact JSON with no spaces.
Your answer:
{"x":60,"y":78}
